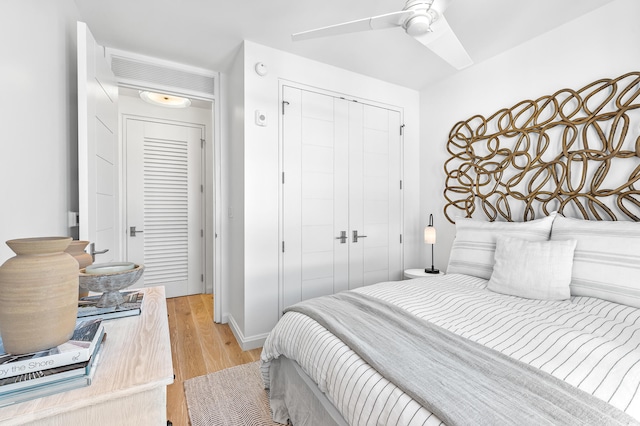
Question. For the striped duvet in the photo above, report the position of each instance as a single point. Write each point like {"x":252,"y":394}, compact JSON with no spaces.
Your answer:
{"x":589,"y":343}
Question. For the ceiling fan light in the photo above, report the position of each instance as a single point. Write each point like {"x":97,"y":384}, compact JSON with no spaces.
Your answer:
{"x":161,"y":99}
{"x":418,"y":25}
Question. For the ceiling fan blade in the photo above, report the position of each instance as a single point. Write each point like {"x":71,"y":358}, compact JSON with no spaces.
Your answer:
{"x":440,"y":5}
{"x":444,"y":43}
{"x":389,"y":20}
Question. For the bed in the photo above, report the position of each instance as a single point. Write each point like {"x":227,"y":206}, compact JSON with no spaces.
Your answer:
{"x":537,"y":320}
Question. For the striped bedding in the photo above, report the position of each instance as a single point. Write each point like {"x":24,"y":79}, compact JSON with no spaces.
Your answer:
{"x":587,"y":342}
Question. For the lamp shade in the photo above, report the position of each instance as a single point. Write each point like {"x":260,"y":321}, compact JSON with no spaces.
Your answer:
{"x":429,"y":235}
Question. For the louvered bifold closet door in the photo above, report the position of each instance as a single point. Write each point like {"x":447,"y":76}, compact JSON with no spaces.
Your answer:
{"x":168,"y":192}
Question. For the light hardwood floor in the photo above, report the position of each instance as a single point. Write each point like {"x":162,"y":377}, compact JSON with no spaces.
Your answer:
{"x":198,"y":347}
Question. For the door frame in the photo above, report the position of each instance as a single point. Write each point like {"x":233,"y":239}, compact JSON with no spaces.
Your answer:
{"x":212,"y":203}
{"x":281,"y":84}
{"x":123,"y":175}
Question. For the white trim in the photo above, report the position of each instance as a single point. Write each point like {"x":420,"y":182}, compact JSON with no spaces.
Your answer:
{"x":214,"y":280}
{"x":246,"y":344}
{"x":284,"y":82}
{"x":216,"y":277}
{"x":123,"y":119}
{"x":83,"y":120}
{"x":159,"y":62}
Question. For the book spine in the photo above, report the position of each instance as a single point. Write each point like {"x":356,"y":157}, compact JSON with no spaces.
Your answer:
{"x":17,"y":368}
{"x":112,"y":314}
{"x":120,"y":314}
{"x":73,"y":371}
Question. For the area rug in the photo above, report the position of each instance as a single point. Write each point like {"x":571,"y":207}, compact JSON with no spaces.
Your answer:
{"x":231,"y":397}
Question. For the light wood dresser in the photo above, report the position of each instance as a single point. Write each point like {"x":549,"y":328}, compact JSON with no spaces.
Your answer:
{"x":130,"y":384}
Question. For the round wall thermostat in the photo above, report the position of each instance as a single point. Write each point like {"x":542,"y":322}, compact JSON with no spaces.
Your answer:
{"x":261,"y":69}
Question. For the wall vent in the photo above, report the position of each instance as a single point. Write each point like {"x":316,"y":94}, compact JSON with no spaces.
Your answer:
{"x":132,"y":72}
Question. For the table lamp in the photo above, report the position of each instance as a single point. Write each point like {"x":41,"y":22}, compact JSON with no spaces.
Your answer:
{"x":430,"y":238}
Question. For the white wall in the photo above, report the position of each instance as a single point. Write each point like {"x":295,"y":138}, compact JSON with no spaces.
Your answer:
{"x":38,"y":147}
{"x":233,"y":196}
{"x":601,"y":44}
{"x":262,"y":178}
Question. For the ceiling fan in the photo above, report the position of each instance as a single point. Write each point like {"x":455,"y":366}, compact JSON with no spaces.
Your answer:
{"x":421,"y":19}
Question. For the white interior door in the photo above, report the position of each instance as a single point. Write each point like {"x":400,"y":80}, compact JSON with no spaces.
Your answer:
{"x":97,"y":148}
{"x":380,"y":208}
{"x":341,"y":163}
{"x":164,"y":203}
{"x":374,"y":195}
{"x":315,"y":201}
{"x":358,"y":237}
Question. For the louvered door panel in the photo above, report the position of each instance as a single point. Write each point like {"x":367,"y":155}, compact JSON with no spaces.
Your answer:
{"x":164,"y":201}
{"x":166,"y":211}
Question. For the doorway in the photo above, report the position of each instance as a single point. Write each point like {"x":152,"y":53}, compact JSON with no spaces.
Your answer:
{"x":165,"y":192}
{"x":121,"y":75}
{"x":164,"y":206}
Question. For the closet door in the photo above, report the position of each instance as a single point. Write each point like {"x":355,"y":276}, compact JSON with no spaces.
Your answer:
{"x":341,"y":164}
{"x":315,"y":195}
{"x":375,"y":254}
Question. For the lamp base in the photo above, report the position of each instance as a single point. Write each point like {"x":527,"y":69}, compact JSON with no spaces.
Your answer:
{"x":432,"y":271}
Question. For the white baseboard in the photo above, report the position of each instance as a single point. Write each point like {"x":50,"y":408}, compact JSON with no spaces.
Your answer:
{"x":246,"y":343}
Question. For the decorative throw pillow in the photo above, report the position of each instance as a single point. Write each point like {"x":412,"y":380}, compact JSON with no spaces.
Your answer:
{"x":475,"y":243}
{"x":533,"y":269}
{"x":606,"y":264}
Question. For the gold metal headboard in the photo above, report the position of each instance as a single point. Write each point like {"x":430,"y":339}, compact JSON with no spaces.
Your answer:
{"x":577,"y":152}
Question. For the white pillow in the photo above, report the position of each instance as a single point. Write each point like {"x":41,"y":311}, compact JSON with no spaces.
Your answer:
{"x":607,"y":258}
{"x":475,"y":242}
{"x":533,"y":269}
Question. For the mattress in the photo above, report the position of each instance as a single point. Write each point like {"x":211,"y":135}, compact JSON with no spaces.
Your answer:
{"x":589,"y":343}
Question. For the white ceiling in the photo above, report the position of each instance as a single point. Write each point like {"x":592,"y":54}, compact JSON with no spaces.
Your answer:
{"x":207,"y":33}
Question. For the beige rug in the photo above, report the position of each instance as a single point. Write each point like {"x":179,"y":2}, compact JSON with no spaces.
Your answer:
{"x":231,"y":397}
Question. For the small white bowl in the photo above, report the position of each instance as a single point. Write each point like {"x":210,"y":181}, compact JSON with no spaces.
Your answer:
{"x":108,"y":268}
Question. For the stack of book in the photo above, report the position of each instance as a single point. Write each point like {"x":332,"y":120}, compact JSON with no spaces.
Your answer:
{"x":87,"y":306}
{"x":67,"y":366}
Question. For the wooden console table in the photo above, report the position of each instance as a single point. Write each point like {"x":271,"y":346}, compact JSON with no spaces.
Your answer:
{"x":130,"y":384}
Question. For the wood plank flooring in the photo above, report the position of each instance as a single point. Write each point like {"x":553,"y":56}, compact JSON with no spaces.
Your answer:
{"x":198,"y":347}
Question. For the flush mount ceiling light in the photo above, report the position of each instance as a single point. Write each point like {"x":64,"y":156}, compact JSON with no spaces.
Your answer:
{"x":168,"y":101}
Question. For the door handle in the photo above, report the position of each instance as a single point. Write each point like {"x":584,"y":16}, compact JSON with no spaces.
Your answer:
{"x":93,"y":252}
{"x":342,"y":237}
{"x":133,"y":231}
{"x":356,"y":236}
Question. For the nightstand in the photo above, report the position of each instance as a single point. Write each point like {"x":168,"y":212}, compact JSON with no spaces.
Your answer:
{"x":419,"y":273}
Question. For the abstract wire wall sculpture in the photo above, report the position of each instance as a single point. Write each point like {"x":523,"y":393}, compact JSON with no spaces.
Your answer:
{"x":576,"y":151}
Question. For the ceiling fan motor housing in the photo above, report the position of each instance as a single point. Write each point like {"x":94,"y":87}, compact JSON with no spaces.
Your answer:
{"x":420,"y":22}
{"x":415,"y":4}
